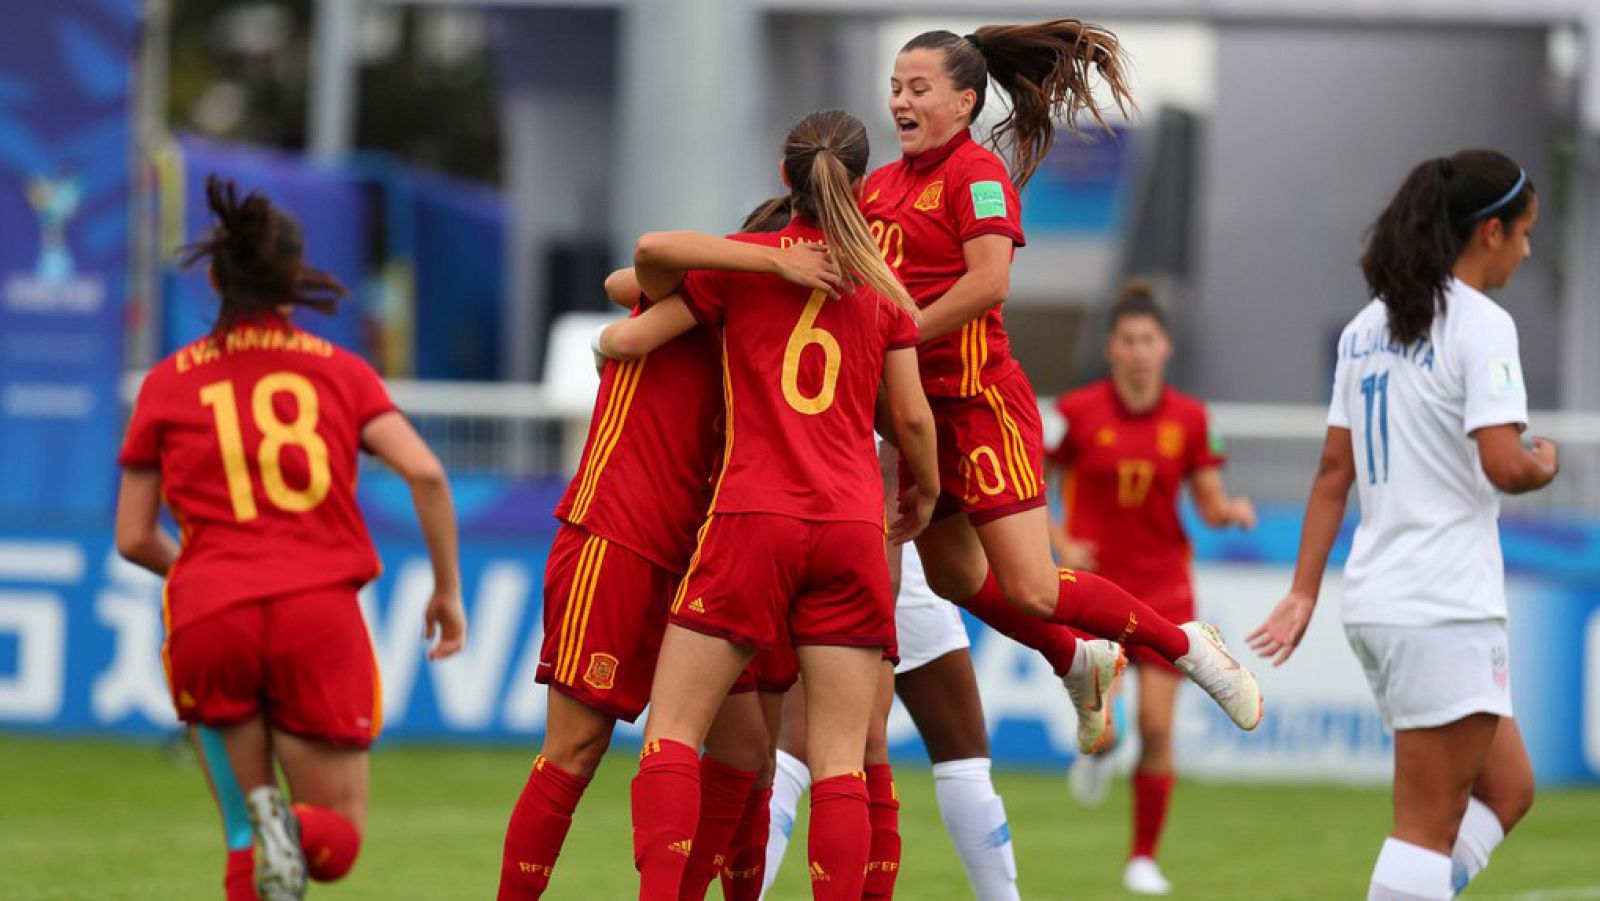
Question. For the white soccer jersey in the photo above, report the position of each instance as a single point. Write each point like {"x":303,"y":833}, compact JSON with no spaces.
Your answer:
{"x":1427,"y":549}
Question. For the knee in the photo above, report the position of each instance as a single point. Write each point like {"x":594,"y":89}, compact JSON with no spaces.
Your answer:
{"x":1036,"y":600}
{"x":954,"y":583}
{"x":577,"y":754}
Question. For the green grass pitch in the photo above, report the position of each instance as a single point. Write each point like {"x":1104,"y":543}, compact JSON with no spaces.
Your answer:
{"x":90,"y":820}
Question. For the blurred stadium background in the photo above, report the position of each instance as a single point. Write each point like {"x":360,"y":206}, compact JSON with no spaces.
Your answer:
{"x":472,"y":169}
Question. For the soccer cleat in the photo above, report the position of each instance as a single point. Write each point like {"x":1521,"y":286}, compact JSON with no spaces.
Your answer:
{"x":280,"y":864}
{"x":1089,"y":682}
{"x":1089,"y":777}
{"x":1143,"y":877}
{"x":1209,"y":665}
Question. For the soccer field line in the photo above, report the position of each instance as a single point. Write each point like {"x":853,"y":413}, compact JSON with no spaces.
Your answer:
{"x":1568,"y":893}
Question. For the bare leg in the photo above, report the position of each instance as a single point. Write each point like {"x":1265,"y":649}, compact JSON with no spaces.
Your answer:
{"x":1434,"y":772}
{"x":942,"y":698}
{"x":576,"y":735}
{"x":693,"y":675}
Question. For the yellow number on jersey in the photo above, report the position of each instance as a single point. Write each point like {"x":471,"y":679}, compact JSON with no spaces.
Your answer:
{"x":276,"y":434}
{"x":1134,"y":478}
{"x":804,"y":335}
{"x":891,"y":240}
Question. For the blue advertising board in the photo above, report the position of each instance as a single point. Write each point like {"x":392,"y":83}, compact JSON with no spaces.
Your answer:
{"x":66,"y":157}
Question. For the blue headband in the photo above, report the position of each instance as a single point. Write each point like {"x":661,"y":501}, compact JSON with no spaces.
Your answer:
{"x":1522,"y":179}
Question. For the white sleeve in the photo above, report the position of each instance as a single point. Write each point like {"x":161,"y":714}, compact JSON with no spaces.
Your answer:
{"x":1495,"y":392}
{"x":1338,"y":416}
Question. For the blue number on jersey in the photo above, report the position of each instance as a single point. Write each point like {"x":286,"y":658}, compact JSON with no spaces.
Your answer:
{"x":1375,"y":389}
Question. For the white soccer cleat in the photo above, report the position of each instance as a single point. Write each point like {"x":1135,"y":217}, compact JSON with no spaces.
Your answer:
{"x":1143,"y":877}
{"x":1209,"y":665}
{"x":1089,"y":681}
{"x":1089,"y":777}
{"x":280,"y":864}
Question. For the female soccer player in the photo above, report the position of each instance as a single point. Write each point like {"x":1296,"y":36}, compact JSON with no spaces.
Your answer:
{"x":947,"y":219}
{"x":628,"y":520}
{"x":1130,"y":442}
{"x":794,"y":541}
{"x":250,"y":435}
{"x":1426,"y":419}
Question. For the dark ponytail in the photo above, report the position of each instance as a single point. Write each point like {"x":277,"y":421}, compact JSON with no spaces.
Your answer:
{"x":1414,"y":244}
{"x":255,"y":252}
{"x":1048,"y":71}
{"x":770,"y":216}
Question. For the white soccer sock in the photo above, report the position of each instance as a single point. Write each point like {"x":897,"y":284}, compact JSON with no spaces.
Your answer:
{"x":975,"y":818}
{"x":1406,"y":872}
{"x":791,"y":780}
{"x":1480,"y":834}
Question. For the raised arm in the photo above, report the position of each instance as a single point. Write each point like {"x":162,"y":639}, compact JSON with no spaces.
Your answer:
{"x":140,"y":538}
{"x":632,"y":338}
{"x":986,"y":283}
{"x":622,"y":288}
{"x":660,"y":260}
{"x":914,"y":437}
{"x":1217,"y":508}
{"x":1280,"y":634}
{"x":391,"y":439}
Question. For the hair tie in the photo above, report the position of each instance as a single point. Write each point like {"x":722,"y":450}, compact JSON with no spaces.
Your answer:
{"x":974,"y":40}
{"x":1522,"y":179}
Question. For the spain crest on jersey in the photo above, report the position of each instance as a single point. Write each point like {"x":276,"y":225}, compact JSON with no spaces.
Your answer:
{"x":602,"y":672}
{"x":1169,"y":439}
{"x":931,"y":195}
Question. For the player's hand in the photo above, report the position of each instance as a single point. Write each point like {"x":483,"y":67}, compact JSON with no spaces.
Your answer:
{"x":1546,"y":455}
{"x":1279,"y":635}
{"x":1242,"y":513}
{"x":1078,"y":554}
{"x":446,"y":620}
{"x":916,"y":511}
{"x":809,"y":266}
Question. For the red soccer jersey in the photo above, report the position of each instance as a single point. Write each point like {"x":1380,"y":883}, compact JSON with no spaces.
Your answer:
{"x":801,"y":375}
{"x":654,"y":441}
{"x":256,"y":435}
{"x":1124,"y":475}
{"x":922,"y":209}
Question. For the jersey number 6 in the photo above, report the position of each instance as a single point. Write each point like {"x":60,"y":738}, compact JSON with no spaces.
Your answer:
{"x":300,"y":432}
{"x":804,"y":335}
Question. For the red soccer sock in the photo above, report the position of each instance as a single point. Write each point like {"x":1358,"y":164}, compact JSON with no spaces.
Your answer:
{"x":538,"y":827}
{"x":1058,"y":645}
{"x":239,"y":882}
{"x":329,"y":841}
{"x":1152,"y":793}
{"x":746,"y":868}
{"x":666,"y":806}
{"x":723,"y":793}
{"x":883,"y":861}
{"x":1100,"y":607}
{"x":840,"y":839}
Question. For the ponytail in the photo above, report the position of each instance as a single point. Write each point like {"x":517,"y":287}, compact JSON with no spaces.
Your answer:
{"x":1047,"y":69}
{"x":255,"y":251}
{"x":770,"y":216}
{"x":823,"y":155}
{"x":1412,"y":249}
{"x":850,"y":241}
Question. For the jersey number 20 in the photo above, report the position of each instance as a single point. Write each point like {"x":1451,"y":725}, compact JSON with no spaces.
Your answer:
{"x":806,"y":334}
{"x":276,"y":434}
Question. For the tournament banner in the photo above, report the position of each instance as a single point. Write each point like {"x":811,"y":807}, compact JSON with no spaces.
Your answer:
{"x":81,"y":633}
{"x":66,"y":159}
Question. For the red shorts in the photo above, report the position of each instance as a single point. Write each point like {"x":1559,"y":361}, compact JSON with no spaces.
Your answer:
{"x":605,"y":610}
{"x":757,"y":574}
{"x":1173,"y":600}
{"x":305,"y":660}
{"x":775,"y":670}
{"x":991,"y":449}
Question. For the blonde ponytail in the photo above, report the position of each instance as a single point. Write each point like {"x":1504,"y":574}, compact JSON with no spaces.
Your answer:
{"x":832,"y":196}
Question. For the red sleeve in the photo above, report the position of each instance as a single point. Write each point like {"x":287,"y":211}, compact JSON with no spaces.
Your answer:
{"x":141,"y":447}
{"x":1066,"y":450}
{"x":984,"y":202}
{"x":903,"y":330}
{"x":370,"y":398}
{"x":705,"y":293}
{"x":1206,"y":447}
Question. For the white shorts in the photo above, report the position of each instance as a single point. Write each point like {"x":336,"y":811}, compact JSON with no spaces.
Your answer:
{"x":1427,"y":676}
{"x":927,"y":626}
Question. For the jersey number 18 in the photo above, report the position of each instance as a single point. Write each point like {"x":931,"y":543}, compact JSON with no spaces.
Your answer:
{"x":276,"y":434}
